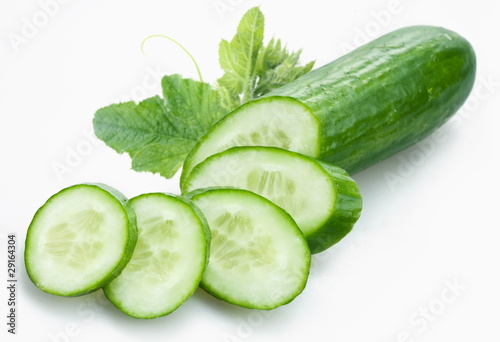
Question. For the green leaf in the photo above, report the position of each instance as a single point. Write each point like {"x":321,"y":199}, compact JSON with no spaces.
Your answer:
{"x":164,"y":159}
{"x":128,"y":127}
{"x":251,"y":69}
{"x":277,"y":67}
{"x":238,"y":58}
{"x":159,"y":133}
{"x":193,"y":106}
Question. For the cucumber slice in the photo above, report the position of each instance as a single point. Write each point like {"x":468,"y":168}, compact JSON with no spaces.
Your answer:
{"x":80,"y":240}
{"x":259,"y":258}
{"x":262,"y":122}
{"x":168,"y":261}
{"x":322,"y":199}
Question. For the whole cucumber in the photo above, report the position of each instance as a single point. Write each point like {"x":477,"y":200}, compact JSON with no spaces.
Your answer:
{"x":387,"y":94}
{"x":359,"y":109}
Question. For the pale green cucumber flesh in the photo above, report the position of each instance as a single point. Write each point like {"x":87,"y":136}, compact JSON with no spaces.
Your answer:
{"x":168,"y":261}
{"x":324,"y":201}
{"x":284,"y":123}
{"x":259,"y":258}
{"x":294,"y":182}
{"x":80,"y":240}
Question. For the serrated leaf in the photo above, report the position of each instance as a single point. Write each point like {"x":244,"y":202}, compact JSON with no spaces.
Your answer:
{"x":237,"y":58}
{"x":270,"y":57}
{"x":252,"y":69}
{"x":277,"y":67}
{"x":128,"y":127}
{"x":159,"y":133}
{"x":193,"y":106}
{"x":164,"y":159}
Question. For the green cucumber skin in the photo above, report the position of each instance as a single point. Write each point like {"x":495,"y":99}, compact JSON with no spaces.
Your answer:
{"x":386,"y":95}
{"x":129,"y":248}
{"x":348,"y":206}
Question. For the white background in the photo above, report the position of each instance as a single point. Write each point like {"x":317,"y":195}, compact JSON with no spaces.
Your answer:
{"x":422,"y":264}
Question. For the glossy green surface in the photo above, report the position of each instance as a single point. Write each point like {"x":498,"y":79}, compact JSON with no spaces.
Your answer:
{"x":387,"y":94}
{"x":347,"y":210}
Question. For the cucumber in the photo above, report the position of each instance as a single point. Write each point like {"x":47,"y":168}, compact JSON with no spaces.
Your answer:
{"x":370,"y":103}
{"x":322,"y":199}
{"x":80,"y":240}
{"x":168,"y":261}
{"x":259,"y":258}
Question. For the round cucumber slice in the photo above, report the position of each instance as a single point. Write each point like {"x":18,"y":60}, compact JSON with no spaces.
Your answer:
{"x":262,"y":122}
{"x":80,"y":240}
{"x":168,"y":261}
{"x":323,"y":200}
{"x":259,"y":258}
